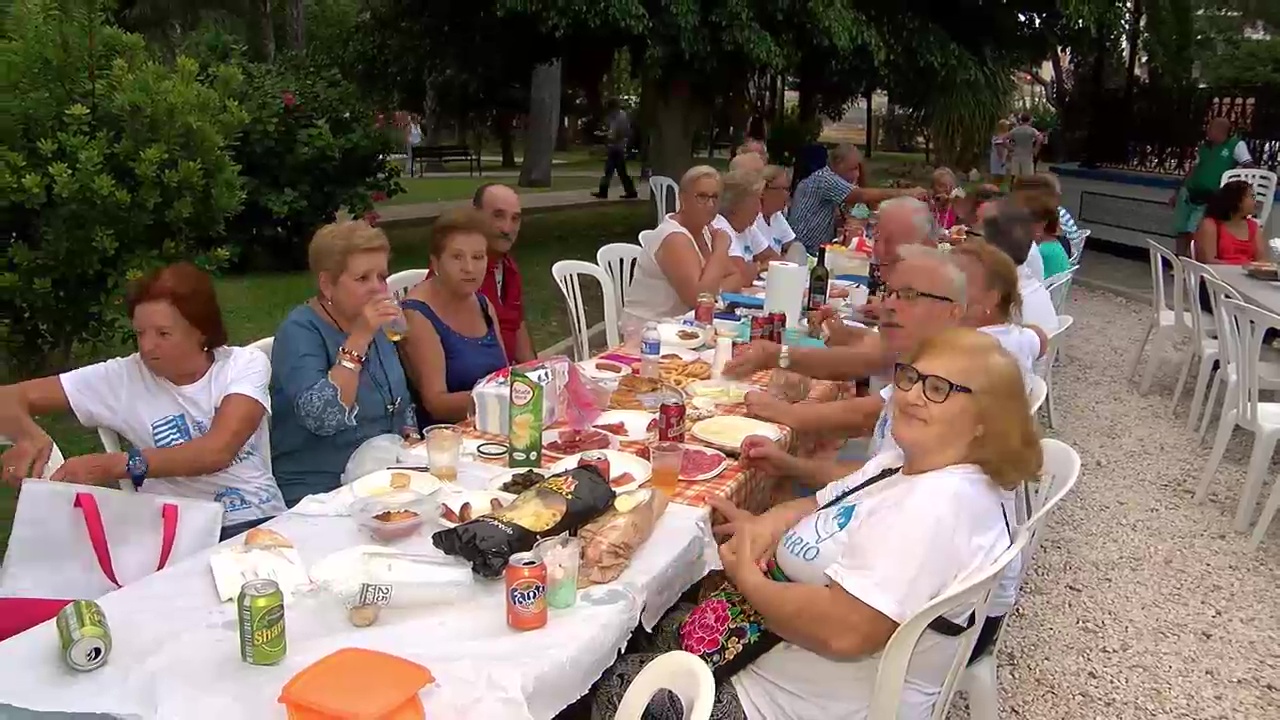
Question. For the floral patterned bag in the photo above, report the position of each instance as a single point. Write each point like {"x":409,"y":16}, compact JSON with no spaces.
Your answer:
{"x":725,"y":631}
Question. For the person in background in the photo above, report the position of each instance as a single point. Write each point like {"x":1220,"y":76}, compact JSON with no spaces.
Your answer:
{"x":618,"y":128}
{"x":772,"y":222}
{"x":943,"y":188}
{"x":1228,"y":235}
{"x":453,"y":340}
{"x":969,"y":207}
{"x":822,"y":197}
{"x":1069,"y":233}
{"x":747,"y":162}
{"x":502,"y":282}
{"x":336,"y":377}
{"x":754,"y":145}
{"x":999,"y":161}
{"x":992,"y":302}
{"x":683,"y":257}
{"x":740,"y":208}
{"x":1044,"y":210}
{"x":1024,"y":143}
{"x":193,"y":410}
{"x":1011,"y":228}
{"x":1221,"y":151}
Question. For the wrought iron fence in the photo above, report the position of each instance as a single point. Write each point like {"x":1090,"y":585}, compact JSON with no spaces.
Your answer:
{"x":1157,"y":130}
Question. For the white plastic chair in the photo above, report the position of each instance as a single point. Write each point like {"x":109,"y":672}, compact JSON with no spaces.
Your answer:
{"x":1039,"y":389}
{"x":1059,"y":288}
{"x":1241,"y":333}
{"x":682,"y":673}
{"x":1044,"y":366}
{"x":567,"y":274}
{"x":1204,"y":340}
{"x":111,"y":443}
{"x":1264,"y":189}
{"x":661,"y":188}
{"x":264,"y":345}
{"x":55,"y":458}
{"x":1167,"y":322}
{"x":619,"y":261}
{"x":1059,"y":476}
{"x":400,"y":283}
{"x":1077,"y":246}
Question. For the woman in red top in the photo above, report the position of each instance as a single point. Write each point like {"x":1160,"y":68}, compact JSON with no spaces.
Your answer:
{"x":1227,"y":235}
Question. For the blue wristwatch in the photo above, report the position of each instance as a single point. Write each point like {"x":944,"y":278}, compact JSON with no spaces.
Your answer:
{"x":137,"y":467}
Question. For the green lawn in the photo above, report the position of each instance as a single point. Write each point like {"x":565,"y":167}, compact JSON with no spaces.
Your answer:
{"x":254,"y":304}
{"x":438,"y":189}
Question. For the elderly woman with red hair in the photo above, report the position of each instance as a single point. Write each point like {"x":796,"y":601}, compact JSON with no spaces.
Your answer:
{"x":193,"y":410}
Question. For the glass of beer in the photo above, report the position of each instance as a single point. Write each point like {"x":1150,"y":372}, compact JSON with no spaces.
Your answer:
{"x":665,"y":458}
{"x":397,"y":327}
{"x":444,"y":446}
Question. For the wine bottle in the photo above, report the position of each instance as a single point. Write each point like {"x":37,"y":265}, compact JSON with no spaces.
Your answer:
{"x":819,"y":278}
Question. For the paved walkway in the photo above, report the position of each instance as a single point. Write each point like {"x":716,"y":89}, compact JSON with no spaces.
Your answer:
{"x":531,"y":203}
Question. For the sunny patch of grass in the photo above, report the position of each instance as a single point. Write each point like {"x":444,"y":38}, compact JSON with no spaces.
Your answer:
{"x":441,"y":189}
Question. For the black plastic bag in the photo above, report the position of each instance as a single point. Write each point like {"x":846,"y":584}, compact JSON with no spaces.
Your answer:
{"x":561,"y":503}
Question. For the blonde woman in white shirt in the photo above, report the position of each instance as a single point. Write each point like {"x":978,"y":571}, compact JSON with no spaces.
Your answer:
{"x":684,"y":257}
{"x":774,"y":199}
{"x":992,"y":301}
{"x":841,"y":579}
{"x":749,"y":249}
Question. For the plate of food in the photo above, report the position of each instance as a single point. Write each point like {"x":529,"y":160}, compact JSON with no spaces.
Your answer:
{"x":387,"y":481}
{"x":677,"y":335}
{"x":727,"y":432}
{"x":639,"y":393}
{"x":1261,"y":270}
{"x":698,"y":463}
{"x":460,"y":507}
{"x":626,"y":471}
{"x":682,"y":372}
{"x":722,"y":392}
{"x":627,"y":424}
{"x":604,"y":369}
{"x":514,"y":481}
{"x":567,"y":441}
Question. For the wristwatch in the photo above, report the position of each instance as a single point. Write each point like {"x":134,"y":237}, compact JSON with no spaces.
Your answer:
{"x":136,"y":467}
{"x":784,"y":357}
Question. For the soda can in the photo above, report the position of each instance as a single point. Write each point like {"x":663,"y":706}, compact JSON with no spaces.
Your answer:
{"x":526,"y":582}
{"x":598,"y":460}
{"x":705,"y":311}
{"x":671,"y":420}
{"x":740,"y":346}
{"x":260,"y":610}
{"x":83,"y":635}
{"x":761,"y":327}
{"x":779,"y":323}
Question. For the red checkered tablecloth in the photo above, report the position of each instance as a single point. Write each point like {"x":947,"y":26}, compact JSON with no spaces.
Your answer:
{"x":750,"y":489}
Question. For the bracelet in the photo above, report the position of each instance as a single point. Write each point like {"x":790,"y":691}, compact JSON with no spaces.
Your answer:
{"x":350,"y":355}
{"x":353,"y":367}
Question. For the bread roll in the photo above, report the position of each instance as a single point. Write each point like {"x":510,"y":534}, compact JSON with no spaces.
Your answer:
{"x":400,"y":481}
{"x":264,"y":538}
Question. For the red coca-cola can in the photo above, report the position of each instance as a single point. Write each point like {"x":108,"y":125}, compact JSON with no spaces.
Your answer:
{"x":740,"y":346}
{"x":778,"y":325}
{"x":705,"y":311}
{"x":671,"y":420}
{"x":761,"y":327}
{"x":597,"y":460}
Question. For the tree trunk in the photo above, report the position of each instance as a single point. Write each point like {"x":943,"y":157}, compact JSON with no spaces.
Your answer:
{"x":871,"y":126}
{"x":807,"y":109}
{"x":675,"y":113}
{"x":266,"y":32}
{"x":1135,"y":30}
{"x":502,"y":126}
{"x":297,"y":24}
{"x":543,"y":126}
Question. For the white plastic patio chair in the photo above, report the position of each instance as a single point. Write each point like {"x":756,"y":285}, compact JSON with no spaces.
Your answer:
{"x":1036,"y":395}
{"x":264,"y":345}
{"x":1204,"y":340}
{"x":1264,"y":189}
{"x":1059,"y":288}
{"x":619,"y":261}
{"x":112,"y":443}
{"x":400,"y":283}
{"x":1059,"y":476}
{"x":1044,"y":366}
{"x":1268,"y":364}
{"x":1242,"y":332}
{"x":1167,"y":322}
{"x":1077,"y":246}
{"x":684,"y":674}
{"x":55,"y":458}
{"x":568,"y":275}
{"x":661,"y":188}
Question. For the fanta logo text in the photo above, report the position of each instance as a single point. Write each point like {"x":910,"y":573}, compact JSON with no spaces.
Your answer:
{"x":527,"y":595}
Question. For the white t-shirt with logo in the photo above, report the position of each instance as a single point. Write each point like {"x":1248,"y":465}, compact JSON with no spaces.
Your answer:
{"x":1022,"y":343}
{"x":896,"y":546}
{"x":746,"y":244}
{"x":151,"y":412}
{"x":1037,"y":306}
{"x":776,"y":230}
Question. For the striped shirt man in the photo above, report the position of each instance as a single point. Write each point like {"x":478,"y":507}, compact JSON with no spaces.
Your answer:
{"x":814,"y":205}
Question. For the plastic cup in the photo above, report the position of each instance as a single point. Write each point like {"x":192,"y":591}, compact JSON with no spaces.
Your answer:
{"x":444,"y":446}
{"x":397,"y":327}
{"x":563,"y":556}
{"x":665,"y":457}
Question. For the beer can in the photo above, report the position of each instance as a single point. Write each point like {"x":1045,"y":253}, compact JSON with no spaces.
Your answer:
{"x":83,"y":635}
{"x":260,"y":610}
{"x":598,"y":460}
{"x":526,"y":583}
{"x":778,"y":324}
{"x":671,"y":420}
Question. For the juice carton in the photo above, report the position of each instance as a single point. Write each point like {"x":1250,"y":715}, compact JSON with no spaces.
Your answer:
{"x":524,"y":435}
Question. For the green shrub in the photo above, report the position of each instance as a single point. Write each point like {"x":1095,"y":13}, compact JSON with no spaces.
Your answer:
{"x":109,"y":162}
{"x":787,"y":137}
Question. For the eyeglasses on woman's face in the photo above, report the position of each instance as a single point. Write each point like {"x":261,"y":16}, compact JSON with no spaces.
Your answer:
{"x":706,"y":198}
{"x":936,"y":388}
{"x":907,"y":294}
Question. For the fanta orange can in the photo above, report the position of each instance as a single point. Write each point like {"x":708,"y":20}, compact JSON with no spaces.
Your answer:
{"x":526,"y":580}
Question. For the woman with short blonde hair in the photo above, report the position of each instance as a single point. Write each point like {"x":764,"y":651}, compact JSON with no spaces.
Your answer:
{"x":740,"y":208}
{"x":774,"y":198}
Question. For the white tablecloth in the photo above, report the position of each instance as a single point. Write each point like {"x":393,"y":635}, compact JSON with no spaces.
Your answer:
{"x":175,"y":654}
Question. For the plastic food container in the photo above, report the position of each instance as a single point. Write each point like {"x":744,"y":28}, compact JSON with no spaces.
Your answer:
{"x":357,"y":683}
{"x":392,"y":516}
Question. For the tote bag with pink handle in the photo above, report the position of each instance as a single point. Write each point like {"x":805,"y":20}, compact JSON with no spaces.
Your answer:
{"x":82,"y":542}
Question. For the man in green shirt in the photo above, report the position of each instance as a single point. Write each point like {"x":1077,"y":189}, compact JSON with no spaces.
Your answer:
{"x":1221,"y":151}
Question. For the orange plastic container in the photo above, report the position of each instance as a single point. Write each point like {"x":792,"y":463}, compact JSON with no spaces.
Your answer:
{"x":357,"y":684}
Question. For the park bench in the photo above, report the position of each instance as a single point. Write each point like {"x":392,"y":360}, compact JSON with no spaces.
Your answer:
{"x":441,"y":154}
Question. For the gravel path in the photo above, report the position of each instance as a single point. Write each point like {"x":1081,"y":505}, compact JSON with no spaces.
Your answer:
{"x":1140,"y":603}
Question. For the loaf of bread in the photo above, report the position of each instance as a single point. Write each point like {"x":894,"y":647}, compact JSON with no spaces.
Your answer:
{"x":262,"y":538}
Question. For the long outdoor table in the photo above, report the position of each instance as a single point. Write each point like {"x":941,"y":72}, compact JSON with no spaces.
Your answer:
{"x":1263,"y":293}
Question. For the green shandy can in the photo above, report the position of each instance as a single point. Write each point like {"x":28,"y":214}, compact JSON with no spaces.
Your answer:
{"x":524,"y":434}
{"x":83,"y":635}
{"x":261,"y":618}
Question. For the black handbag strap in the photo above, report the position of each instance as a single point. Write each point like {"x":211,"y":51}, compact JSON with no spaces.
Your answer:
{"x":882,"y":475}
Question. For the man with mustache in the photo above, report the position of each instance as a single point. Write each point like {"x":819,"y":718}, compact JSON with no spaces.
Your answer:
{"x":501,"y":205}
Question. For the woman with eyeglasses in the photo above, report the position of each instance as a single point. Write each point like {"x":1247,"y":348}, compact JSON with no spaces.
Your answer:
{"x":684,"y":256}
{"x":772,"y":222}
{"x":833,"y":576}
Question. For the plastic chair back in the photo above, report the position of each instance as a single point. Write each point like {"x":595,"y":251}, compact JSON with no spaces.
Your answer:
{"x":1264,"y":189}
{"x":1055,"y":340}
{"x":1059,"y":287}
{"x":1077,"y":246}
{"x":1249,"y":325}
{"x":264,"y":345}
{"x":1036,"y":395}
{"x":619,"y":261}
{"x":1160,"y":257}
{"x":1193,"y":274}
{"x":678,"y":671}
{"x":568,"y":275}
{"x":400,"y":283}
{"x":666,"y":195}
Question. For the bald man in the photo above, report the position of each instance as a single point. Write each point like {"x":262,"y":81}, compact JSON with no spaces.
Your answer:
{"x":1221,"y":151}
{"x":501,"y":284}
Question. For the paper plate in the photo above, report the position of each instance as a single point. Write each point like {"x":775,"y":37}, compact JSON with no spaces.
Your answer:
{"x":549,"y":436}
{"x":619,"y":462}
{"x":635,"y":421}
{"x":379,"y":483}
{"x":724,"y":463}
{"x":670,"y":334}
{"x":604,"y":369}
{"x":479,"y":500}
{"x":727,"y":432}
{"x":722,"y":392}
{"x":498,"y":480}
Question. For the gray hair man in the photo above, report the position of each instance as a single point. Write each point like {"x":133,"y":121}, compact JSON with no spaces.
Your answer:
{"x":1011,"y":228}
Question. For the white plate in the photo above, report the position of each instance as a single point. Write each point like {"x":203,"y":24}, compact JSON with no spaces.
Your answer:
{"x":379,"y":483}
{"x":722,"y":392}
{"x":635,"y":421}
{"x":479,"y":500}
{"x":724,"y":463}
{"x":592,"y":369}
{"x":669,"y":332}
{"x":497,"y":481}
{"x":619,"y":462}
{"x":553,"y":435}
{"x":727,"y":432}
{"x":683,"y":353}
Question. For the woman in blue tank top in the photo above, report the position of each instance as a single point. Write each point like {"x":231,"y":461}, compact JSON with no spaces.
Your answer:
{"x":452,"y":340}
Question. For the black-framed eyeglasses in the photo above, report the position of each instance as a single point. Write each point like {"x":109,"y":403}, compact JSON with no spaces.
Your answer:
{"x":936,"y":388}
{"x":706,"y":199}
{"x":786,"y":188}
{"x":909,"y":294}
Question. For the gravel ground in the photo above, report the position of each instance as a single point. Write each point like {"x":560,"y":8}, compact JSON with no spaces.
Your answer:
{"x":1141,"y":603}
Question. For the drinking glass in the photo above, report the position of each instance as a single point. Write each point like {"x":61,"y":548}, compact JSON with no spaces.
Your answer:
{"x":563,"y":557}
{"x":397,"y":327}
{"x":665,"y":457}
{"x":444,"y":445}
